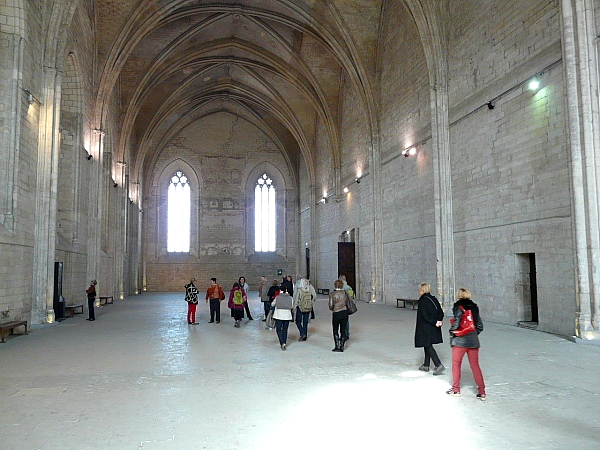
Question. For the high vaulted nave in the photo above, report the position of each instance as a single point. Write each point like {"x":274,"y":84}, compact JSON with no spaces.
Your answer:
{"x":146,"y":142}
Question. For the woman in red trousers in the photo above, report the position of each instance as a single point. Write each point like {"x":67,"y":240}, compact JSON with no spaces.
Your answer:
{"x":467,"y":344}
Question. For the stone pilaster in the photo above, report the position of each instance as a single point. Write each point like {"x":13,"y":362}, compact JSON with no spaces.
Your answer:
{"x":581,"y":79}
{"x":47,"y":188}
{"x":442,"y":178}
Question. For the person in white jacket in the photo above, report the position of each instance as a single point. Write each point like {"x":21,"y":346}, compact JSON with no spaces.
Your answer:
{"x":284,"y":304}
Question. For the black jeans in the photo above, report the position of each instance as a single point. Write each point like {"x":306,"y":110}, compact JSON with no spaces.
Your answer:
{"x":430,"y":353}
{"x":215,"y":309}
{"x":282,"y":329}
{"x":247,"y":308}
{"x":267,"y":306}
{"x":339,"y":321}
{"x":91,"y":301}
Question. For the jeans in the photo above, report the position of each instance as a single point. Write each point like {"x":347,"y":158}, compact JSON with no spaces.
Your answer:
{"x":457,"y":356}
{"x":282,"y":329}
{"x":302,"y":322}
{"x":247,"y":308}
{"x":215,"y":309}
{"x":430,"y":353}
{"x":191,"y":313}
{"x":267,"y":307}
{"x":92,"y":315}
{"x":339,"y":321}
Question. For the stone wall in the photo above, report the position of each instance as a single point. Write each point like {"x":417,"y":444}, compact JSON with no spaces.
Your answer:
{"x":223,"y":157}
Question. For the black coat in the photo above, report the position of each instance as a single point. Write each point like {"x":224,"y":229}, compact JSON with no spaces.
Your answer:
{"x":429,"y":312}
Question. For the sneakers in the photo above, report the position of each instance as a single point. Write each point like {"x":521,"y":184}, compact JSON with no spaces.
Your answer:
{"x":236,"y":324}
{"x":210,"y":321}
{"x":481,"y":397}
{"x":452,"y":393}
{"x":302,"y":338}
{"x":439,"y":369}
{"x":424,"y":368}
{"x":283,"y":347}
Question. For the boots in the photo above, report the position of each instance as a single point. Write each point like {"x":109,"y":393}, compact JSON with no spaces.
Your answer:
{"x":342,"y":342}
{"x":337,"y":344}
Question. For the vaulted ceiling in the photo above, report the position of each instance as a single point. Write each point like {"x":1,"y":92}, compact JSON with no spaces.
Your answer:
{"x":278,"y":64}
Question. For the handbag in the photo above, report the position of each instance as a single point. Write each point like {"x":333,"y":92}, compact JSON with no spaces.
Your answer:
{"x":270,"y":321}
{"x":467,"y":323}
{"x":350,"y":305}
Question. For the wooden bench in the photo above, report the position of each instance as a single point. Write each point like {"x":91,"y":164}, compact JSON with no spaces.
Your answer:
{"x":108,"y":299}
{"x":405,"y":301}
{"x":10,"y":326}
{"x":70,"y":310}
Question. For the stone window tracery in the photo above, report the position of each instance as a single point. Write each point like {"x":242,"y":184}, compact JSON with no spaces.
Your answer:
{"x":265,"y":214}
{"x":179,"y":207}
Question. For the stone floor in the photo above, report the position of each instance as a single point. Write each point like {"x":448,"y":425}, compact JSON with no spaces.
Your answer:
{"x":140,"y":377}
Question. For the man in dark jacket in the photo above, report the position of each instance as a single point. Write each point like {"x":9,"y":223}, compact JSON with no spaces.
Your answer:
{"x":428,"y":330}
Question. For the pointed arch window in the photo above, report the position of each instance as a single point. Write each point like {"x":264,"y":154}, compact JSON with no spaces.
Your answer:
{"x":179,"y":206}
{"x":264,"y":214}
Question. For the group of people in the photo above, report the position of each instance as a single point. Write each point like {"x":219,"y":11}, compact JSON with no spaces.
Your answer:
{"x":463,"y":336}
{"x":282,"y":301}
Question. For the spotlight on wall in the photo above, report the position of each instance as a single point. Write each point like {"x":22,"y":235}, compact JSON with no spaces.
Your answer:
{"x":30,"y":99}
{"x":534,"y":84}
{"x":410,"y":151}
{"x":115,"y":184}
{"x":89,"y":157}
{"x":346,"y":190}
{"x":323,"y":200}
{"x":357,"y":180}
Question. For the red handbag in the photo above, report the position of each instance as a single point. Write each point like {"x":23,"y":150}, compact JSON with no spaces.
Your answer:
{"x":467,"y":323}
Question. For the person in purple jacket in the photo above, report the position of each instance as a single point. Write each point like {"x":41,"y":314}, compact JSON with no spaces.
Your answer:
{"x":237,"y":301}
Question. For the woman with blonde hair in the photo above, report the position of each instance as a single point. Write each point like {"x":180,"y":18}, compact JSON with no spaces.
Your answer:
{"x":338,"y":305}
{"x":465,"y":344}
{"x":428,"y":330}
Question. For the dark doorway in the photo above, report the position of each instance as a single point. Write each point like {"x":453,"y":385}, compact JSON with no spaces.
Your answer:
{"x":533,"y":287}
{"x":307,"y":263}
{"x":346,"y":262}
{"x":526,"y":290}
{"x":59,"y":304}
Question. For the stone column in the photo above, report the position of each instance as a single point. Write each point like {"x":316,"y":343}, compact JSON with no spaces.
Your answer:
{"x":442,"y":178}
{"x":377,"y":275}
{"x":96,"y":195}
{"x":312,"y":243}
{"x":580,"y":61}
{"x":47,"y":188}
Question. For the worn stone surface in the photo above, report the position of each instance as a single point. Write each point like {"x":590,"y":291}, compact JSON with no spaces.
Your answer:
{"x":141,"y":377}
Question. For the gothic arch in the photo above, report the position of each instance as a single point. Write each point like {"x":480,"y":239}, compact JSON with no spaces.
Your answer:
{"x":160,"y":184}
{"x":283,"y":192}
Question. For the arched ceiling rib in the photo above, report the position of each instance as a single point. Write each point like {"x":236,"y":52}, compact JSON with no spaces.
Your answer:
{"x":279,"y":61}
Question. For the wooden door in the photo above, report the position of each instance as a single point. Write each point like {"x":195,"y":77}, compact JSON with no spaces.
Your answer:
{"x":346,"y":263}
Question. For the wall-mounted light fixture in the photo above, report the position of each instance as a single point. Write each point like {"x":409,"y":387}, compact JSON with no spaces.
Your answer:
{"x":131,"y":201}
{"x":534,"y":84}
{"x":115,"y":184}
{"x":89,"y":157}
{"x":122,"y":163}
{"x":346,"y":190}
{"x":31,"y":99}
{"x":410,"y":151}
{"x":490,"y":105}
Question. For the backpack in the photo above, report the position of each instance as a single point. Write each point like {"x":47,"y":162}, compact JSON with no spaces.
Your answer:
{"x":351,"y":293}
{"x":238,"y":298}
{"x":467,"y":323}
{"x":305,"y":302}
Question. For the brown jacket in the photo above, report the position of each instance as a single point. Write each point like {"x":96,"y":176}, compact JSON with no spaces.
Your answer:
{"x":337,"y":300}
{"x":215,"y":292}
